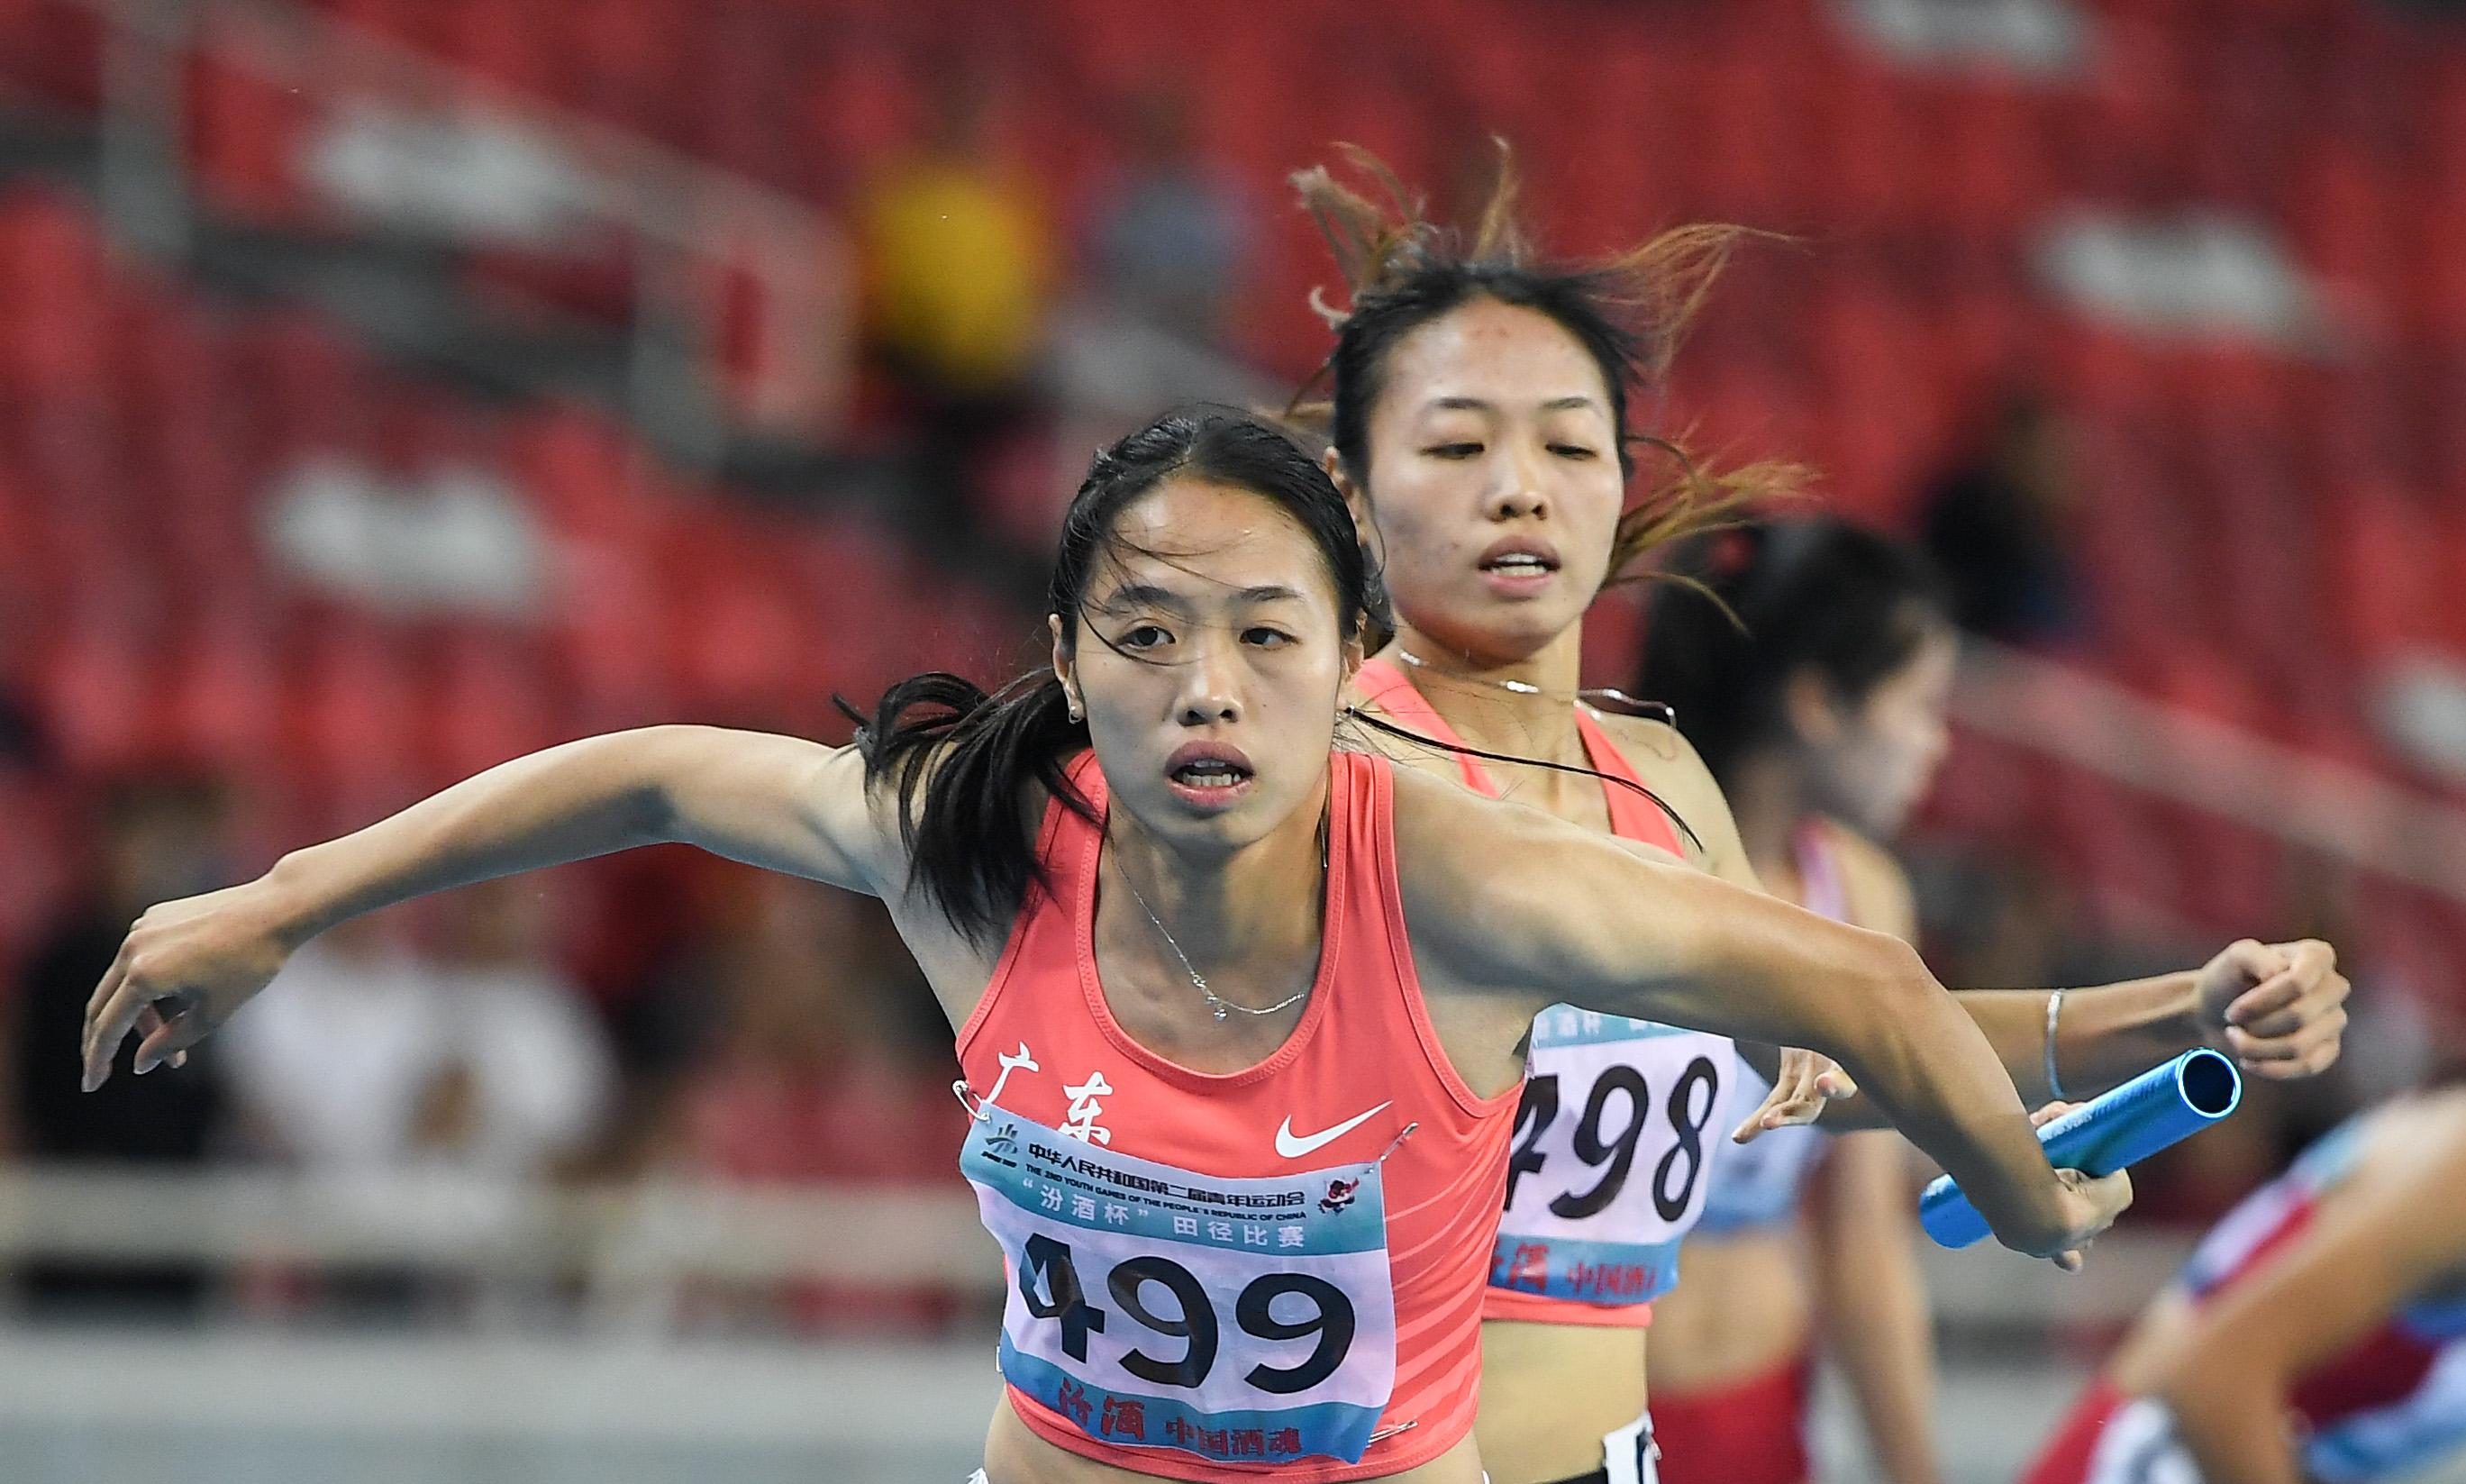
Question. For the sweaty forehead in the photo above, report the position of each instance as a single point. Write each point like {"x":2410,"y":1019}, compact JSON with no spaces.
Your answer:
{"x":1505,"y":356}
{"x":1208,"y":542}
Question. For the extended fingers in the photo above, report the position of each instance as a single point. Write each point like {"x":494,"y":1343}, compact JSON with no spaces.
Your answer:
{"x":126,"y":1000}
{"x":1785,"y":1104}
{"x":1806,"y":1083}
{"x":1784,"y":1107}
{"x":168,"y":1040}
{"x":107,"y":1028}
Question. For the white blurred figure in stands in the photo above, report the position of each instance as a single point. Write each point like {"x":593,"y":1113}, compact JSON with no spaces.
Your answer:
{"x":482,"y":1062}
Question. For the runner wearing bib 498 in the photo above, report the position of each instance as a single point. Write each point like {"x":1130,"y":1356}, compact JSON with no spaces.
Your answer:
{"x":1609,"y":1161}
{"x":1478,"y":423}
{"x":1608,"y":1166}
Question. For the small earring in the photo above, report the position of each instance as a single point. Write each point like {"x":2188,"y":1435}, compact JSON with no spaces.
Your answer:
{"x":1074,"y":711}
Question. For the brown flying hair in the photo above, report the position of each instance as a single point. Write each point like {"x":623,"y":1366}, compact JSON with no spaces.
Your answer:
{"x":1629,"y":311}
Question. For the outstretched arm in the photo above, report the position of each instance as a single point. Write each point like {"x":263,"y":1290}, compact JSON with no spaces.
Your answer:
{"x":2277,"y":1008}
{"x":1502,"y":899}
{"x":778,"y":802}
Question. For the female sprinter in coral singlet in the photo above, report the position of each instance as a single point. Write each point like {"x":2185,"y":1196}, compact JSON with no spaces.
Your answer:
{"x":2318,"y":1332}
{"x":1477,"y":420}
{"x":1817,"y":699}
{"x":1241,"y":1016}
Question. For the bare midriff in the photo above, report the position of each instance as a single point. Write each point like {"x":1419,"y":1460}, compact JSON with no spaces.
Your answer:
{"x":1015,"y":1455}
{"x":1551,"y":1392}
{"x":1741,"y":1311}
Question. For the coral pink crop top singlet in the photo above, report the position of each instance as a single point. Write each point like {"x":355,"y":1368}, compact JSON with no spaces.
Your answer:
{"x":1271,"y":1272}
{"x":1619,"y":1117}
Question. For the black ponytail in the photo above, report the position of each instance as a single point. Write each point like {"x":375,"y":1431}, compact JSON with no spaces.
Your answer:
{"x":964,"y":764}
{"x":1754,"y":605}
{"x":959,"y":768}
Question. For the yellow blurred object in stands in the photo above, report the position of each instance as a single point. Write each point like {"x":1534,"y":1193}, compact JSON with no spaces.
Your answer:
{"x":956,"y":265}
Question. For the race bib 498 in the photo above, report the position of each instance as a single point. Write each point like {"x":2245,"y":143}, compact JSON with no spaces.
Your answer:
{"x":1248,"y":1319}
{"x":1608,"y":1168}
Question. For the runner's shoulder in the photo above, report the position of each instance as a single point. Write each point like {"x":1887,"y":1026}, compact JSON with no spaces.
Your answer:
{"x":1667,"y":762}
{"x":1361,"y":735}
{"x":1872,"y":878}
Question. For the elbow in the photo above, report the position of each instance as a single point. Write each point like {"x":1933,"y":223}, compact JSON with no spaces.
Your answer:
{"x":1896,"y":997}
{"x":1901,"y":974}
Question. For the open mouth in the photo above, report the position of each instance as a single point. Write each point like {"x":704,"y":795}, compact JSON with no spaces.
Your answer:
{"x":1210,"y":772}
{"x":1523,"y":560}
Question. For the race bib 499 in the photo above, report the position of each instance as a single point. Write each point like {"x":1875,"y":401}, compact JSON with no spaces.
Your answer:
{"x":1249,"y":1319}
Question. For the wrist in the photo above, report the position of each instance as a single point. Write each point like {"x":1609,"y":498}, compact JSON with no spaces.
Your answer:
{"x":289,"y":903}
{"x":2038,"y":1217}
{"x":2190,"y":1018}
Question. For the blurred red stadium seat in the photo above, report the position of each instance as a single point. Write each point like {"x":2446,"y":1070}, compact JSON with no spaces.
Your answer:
{"x":2256,"y":534}
{"x":246,"y":138}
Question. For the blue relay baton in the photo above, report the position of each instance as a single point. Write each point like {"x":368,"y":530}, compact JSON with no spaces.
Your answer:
{"x":2163,"y":1105}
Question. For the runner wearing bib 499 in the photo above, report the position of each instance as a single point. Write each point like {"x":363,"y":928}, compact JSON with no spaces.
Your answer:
{"x":1210,"y":1248}
{"x":1170,"y":919}
{"x":1213,"y":1266}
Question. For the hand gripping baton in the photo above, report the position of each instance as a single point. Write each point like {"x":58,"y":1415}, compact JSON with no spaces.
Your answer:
{"x":2164,"y":1104}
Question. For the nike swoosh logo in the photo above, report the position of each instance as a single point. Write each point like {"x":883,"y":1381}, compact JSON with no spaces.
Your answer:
{"x":1293,"y":1148}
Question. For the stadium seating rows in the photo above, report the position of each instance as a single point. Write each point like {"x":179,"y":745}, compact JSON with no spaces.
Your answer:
{"x":144,"y":424}
{"x":2261,"y":526}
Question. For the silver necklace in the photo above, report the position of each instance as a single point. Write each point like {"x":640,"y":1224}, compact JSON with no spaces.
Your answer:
{"x":1524,"y":687}
{"x":1217,"y":1005}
